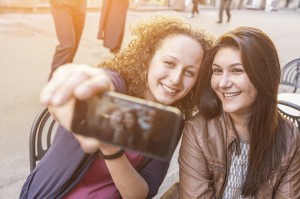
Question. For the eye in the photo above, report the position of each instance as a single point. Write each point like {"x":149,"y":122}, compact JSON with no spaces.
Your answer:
{"x":189,"y":73}
{"x":169,"y":63}
{"x":237,"y":70}
{"x":216,"y":70}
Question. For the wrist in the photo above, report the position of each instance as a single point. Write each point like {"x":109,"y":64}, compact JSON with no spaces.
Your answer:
{"x":112,"y":156}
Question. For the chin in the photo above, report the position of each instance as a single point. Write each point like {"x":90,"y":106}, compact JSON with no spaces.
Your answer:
{"x":229,"y":110}
{"x":166,"y":102}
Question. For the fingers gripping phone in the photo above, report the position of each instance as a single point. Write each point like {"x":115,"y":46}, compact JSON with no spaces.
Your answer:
{"x":133,"y":123}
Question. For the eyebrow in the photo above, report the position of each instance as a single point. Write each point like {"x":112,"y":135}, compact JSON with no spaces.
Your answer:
{"x":231,"y":65}
{"x":178,"y":60}
{"x":170,"y":56}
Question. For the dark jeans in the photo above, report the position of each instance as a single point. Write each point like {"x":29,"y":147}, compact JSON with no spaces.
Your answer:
{"x":69,"y":23}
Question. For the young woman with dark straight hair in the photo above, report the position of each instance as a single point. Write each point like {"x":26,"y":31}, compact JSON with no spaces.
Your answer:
{"x":239,"y":146}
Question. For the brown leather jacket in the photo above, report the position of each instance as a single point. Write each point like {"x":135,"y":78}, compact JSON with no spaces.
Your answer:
{"x":204,"y":160}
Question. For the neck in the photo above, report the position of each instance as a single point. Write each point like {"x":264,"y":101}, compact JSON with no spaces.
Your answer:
{"x":240,"y":123}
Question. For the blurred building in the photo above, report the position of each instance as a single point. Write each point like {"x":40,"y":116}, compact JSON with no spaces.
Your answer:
{"x":179,"y":5}
{"x":33,"y":5}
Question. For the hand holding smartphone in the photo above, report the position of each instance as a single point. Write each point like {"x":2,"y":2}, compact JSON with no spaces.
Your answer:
{"x":133,"y":123}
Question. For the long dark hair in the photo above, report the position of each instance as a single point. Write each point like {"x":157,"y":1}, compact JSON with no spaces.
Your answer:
{"x":261,"y":63}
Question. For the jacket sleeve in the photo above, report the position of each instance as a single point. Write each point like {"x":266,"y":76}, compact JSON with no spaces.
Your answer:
{"x":289,"y":186}
{"x":194,"y":175}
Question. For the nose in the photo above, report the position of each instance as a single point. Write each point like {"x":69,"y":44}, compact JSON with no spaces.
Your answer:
{"x":175,"y":76}
{"x":225,"y":81}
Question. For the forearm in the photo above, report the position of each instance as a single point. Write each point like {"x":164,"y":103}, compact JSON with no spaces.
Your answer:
{"x":128,"y":181}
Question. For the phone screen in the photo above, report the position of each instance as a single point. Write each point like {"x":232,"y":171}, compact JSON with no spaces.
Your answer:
{"x":132,"y":123}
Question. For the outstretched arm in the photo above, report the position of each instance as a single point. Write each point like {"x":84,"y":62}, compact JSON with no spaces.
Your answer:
{"x":81,"y":82}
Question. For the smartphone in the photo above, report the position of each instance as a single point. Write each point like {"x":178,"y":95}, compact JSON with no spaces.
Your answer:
{"x":133,"y":123}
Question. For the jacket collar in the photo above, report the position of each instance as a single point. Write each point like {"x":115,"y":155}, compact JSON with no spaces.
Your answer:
{"x":231,"y":135}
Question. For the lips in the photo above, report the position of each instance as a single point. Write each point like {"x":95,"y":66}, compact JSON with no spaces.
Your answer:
{"x":231,"y":95}
{"x":169,"y":90}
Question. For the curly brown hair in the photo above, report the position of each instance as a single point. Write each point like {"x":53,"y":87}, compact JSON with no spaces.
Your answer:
{"x":132,"y":62}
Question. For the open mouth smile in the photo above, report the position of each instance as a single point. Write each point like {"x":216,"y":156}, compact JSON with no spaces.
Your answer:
{"x":169,"y":90}
{"x":231,"y":95}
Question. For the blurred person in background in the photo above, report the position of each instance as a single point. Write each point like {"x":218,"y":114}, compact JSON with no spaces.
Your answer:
{"x":195,"y":11}
{"x":112,"y":23}
{"x":225,"y":4}
{"x":69,"y":20}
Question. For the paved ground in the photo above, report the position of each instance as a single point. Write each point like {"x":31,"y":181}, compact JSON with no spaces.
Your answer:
{"x":27,"y":44}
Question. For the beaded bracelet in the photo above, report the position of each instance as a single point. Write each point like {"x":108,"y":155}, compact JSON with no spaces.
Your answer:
{"x":113,"y":156}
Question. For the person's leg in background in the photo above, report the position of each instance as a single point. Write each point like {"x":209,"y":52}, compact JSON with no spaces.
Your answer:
{"x":69,"y":23}
{"x":195,"y":10}
{"x":228,"y":9}
{"x":78,"y":24}
{"x":221,"y":9}
{"x":112,"y":23}
{"x":66,"y":37}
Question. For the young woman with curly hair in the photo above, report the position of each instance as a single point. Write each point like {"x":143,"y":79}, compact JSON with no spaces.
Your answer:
{"x":160,"y":64}
{"x":133,"y":62}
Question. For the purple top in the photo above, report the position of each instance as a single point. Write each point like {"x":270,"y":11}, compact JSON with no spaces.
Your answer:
{"x":97,"y":182}
{"x":65,"y":166}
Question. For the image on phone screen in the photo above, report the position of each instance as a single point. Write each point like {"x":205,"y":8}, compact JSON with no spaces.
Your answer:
{"x":132,"y":124}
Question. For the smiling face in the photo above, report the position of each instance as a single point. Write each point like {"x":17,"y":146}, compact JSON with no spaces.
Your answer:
{"x":231,"y":83}
{"x":116,"y":117}
{"x":174,"y":69}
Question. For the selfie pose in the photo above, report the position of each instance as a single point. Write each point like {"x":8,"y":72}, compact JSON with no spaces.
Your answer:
{"x":238,"y":145}
{"x":161,"y":64}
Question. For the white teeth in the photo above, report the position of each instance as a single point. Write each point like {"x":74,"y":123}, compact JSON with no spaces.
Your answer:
{"x":168,"y":89}
{"x":230,"y":95}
